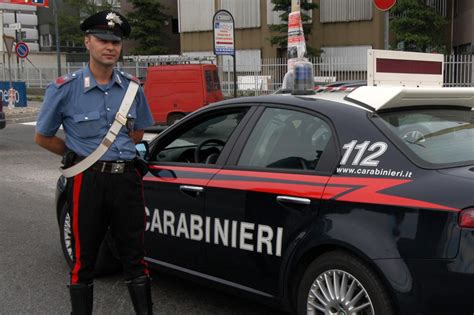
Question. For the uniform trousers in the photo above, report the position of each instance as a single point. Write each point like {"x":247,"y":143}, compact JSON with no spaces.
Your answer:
{"x":101,"y":200}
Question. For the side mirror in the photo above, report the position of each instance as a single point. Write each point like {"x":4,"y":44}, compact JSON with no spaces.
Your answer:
{"x":143,"y":150}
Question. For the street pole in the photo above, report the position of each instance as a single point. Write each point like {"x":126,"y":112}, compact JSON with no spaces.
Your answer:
{"x":10,"y":94}
{"x":56,"y":30}
{"x":386,"y":30}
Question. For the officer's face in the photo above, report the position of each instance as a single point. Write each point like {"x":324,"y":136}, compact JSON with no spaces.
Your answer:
{"x":103,"y":52}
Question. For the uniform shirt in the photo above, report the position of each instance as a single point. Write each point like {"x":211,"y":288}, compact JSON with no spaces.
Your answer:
{"x":87,"y":110}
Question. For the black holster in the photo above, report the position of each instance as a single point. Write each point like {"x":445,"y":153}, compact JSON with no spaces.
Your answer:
{"x":141,"y":165}
{"x":69,"y":158}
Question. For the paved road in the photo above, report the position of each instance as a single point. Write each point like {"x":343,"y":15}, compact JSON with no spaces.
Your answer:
{"x":33,"y":274}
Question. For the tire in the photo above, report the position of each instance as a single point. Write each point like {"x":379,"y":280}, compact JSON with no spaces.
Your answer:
{"x":318,"y":285}
{"x":107,"y":258}
{"x":172,"y":118}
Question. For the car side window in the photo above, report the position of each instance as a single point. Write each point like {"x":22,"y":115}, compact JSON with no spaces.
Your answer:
{"x":202,"y":142}
{"x":286,"y":139}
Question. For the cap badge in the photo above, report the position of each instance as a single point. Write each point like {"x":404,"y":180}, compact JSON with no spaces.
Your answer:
{"x":113,"y":19}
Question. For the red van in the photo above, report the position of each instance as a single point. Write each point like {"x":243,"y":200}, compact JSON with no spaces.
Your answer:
{"x":175,"y":90}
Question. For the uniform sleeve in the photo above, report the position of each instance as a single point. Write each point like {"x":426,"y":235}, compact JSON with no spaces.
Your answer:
{"x":50,"y":116}
{"x":144,"y":118}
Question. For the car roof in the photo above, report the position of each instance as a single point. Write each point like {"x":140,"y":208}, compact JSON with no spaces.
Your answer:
{"x":377,"y":98}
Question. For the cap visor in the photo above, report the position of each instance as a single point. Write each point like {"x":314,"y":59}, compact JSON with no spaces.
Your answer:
{"x":108,"y":37}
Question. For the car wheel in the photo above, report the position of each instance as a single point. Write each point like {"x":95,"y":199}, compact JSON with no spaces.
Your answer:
{"x":172,"y":118}
{"x":341,"y":284}
{"x":107,"y":258}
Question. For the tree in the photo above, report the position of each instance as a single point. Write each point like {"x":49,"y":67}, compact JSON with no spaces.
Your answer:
{"x":71,"y":16}
{"x":281,"y":40}
{"x":147,"y":21}
{"x":418,"y":26}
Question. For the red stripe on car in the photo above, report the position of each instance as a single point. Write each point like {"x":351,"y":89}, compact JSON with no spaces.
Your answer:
{"x":348,"y":189}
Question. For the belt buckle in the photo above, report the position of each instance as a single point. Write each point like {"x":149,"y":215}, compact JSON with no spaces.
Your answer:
{"x":118,"y":168}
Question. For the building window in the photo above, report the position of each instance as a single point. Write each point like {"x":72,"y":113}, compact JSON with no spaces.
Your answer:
{"x":46,"y":40}
{"x":345,"y":10}
{"x":174,"y":26}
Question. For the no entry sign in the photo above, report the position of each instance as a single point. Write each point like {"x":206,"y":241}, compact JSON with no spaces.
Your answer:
{"x":22,"y":50}
{"x":384,"y":5}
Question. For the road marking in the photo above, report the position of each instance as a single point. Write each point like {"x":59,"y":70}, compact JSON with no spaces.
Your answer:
{"x":33,"y":123}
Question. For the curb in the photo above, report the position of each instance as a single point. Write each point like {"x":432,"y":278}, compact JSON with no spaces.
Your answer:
{"x":19,"y":120}
{"x":14,"y":116}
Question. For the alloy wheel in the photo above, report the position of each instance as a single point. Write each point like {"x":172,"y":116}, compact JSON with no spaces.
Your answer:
{"x":336,"y":292}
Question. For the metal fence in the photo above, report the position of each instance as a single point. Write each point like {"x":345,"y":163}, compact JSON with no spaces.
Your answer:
{"x":260,"y":78}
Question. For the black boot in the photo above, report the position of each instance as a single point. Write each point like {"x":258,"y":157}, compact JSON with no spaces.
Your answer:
{"x":140,"y":293}
{"x":81,"y":298}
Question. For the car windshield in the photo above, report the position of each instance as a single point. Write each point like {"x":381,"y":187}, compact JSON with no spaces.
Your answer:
{"x":437,"y":137}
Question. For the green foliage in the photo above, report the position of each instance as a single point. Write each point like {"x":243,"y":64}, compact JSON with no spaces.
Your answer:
{"x":418,"y":26}
{"x":147,"y":21}
{"x":281,"y":38}
{"x":70,"y":17}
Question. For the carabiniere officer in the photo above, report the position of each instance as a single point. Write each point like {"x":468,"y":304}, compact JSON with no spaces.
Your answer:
{"x":109,"y":192}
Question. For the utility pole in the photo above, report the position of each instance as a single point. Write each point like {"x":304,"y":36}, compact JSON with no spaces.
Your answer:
{"x":56,"y":31}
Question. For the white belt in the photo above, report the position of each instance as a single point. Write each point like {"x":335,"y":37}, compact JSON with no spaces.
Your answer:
{"x":119,"y":122}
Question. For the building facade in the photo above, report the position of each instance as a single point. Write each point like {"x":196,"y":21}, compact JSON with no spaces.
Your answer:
{"x":340,"y":28}
{"x":170,"y":28}
{"x":463,"y":27}
{"x":20,"y":22}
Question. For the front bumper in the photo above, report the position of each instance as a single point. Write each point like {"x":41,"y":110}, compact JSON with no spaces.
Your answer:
{"x":3,"y":121}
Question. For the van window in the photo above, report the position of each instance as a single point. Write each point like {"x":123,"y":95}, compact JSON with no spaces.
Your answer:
{"x":217,"y":85}
{"x":209,"y":84}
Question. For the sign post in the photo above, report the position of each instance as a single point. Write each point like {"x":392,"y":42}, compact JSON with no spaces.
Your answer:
{"x":296,"y":41}
{"x":224,"y":38}
{"x":8,"y":46}
{"x":385,"y":5}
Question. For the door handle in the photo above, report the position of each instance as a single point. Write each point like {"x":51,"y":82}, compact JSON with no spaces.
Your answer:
{"x":295,"y":200}
{"x":194,"y":190}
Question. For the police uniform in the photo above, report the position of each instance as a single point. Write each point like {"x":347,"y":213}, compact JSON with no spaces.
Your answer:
{"x":110,"y":192}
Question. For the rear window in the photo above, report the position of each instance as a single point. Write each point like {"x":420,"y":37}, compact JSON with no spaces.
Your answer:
{"x":209,"y":83}
{"x":212,"y":80}
{"x":435,"y":138}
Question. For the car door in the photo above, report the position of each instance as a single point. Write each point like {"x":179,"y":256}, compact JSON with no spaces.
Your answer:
{"x":266,"y":196}
{"x":175,"y":186}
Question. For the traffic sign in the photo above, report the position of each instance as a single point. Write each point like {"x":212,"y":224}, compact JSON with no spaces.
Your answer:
{"x":22,"y":50}
{"x":384,"y":5}
{"x":8,"y":40}
{"x":223,"y":23}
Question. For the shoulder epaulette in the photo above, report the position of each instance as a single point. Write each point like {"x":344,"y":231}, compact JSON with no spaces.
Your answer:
{"x":65,"y":79}
{"x":130,"y":77}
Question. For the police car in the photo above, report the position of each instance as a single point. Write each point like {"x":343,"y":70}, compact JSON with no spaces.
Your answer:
{"x":331,"y":203}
